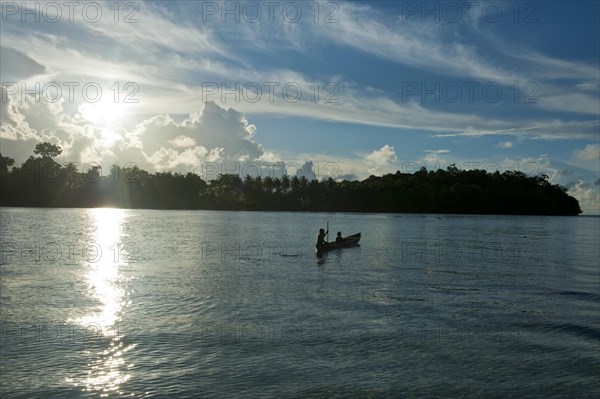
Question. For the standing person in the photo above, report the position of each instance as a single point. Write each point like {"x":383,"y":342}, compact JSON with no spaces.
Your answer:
{"x":321,"y":238}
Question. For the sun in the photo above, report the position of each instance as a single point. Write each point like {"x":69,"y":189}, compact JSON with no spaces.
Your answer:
{"x":104,"y":113}
{"x":106,"y":116}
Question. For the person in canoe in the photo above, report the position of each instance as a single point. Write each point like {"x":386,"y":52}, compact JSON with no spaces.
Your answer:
{"x":321,"y":238}
{"x":339,"y":237}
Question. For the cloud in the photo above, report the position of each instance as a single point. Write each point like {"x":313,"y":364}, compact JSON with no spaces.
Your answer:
{"x":554,"y":68}
{"x":435,"y":157}
{"x":307,"y":171}
{"x":158,"y":143}
{"x":381,"y":159}
{"x":415,"y":44}
{"x":213,"y":135}
{"x":269,"y":157}
{"x":589,"y":153}
{"x":182,"y":161}
{"x":383,"y":155}
{"x":505,"y":144}
{"x":168,"y":55}
{"x":182,"y":142}
{"x":534,"y":129}
{"x":15,"y":66}
{"x":579,"y":181}
{"x":570,"y":102}
{"x":588,"y":196}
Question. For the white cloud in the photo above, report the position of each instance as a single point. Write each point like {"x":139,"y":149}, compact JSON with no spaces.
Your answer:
{"x":215,"y":134}
{"x":505,"y":144}
{"x":589,"y":153}
{"x":383,"y":155}
{"x":554,"y":68}
{"x":269,"y":157}
{"x":588,"y":195}
{"x":416,"y":44}
{"x":307,"y":170}
{"x":435,"y":158}
{"x":158,"y":29}
{"x":182,"y":142}
{"x":169,"y":53}
{"x":157,"y":143}
{"x":570,"y":102}
{"x":381,"y":160}
{"x":171,"y":61}
{"x":545,"y":130}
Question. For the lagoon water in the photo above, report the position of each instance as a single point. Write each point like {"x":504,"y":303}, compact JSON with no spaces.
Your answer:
{"x":147,"y":303}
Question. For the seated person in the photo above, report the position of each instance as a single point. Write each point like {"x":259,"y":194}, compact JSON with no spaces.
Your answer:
{"x":339,"y":238}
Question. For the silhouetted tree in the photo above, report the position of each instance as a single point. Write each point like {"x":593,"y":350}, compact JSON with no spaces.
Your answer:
{"x":47,"y":150}
{"x":5,"y":163}
{"x":40,"y":181}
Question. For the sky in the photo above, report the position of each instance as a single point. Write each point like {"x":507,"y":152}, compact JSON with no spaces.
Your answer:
{"x":341,"y":89}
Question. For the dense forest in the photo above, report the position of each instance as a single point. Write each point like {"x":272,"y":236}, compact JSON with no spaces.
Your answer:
{"x":42,"y":182}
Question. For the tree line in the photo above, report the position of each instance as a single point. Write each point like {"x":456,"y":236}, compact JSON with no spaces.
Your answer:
{"x":42,"y":182}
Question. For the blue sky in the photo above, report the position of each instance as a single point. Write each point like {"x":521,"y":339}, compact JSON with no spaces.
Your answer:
{"x":508,"y":85}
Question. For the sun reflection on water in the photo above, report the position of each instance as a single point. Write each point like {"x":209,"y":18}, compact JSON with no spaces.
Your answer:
{"x":107,"y":370}
{"x":103,"y":277}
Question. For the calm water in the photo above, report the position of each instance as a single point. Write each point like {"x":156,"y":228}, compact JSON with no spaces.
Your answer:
{"x":146,"y":303}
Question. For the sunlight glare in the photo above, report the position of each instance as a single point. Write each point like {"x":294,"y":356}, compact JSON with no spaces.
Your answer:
{"x":103,"y":276}
{"x":104,"y":113}
{"x":107,"y":371}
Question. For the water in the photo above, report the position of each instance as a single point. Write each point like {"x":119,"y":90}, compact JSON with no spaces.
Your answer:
{"x":145,"y":303}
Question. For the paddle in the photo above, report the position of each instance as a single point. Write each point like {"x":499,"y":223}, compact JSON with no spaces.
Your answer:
{"x":327,"y":231}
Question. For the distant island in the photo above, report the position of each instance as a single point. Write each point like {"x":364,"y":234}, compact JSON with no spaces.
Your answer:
{"x":42,"y":182}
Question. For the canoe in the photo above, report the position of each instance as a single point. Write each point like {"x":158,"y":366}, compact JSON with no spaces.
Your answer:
{"x":350,"y":241}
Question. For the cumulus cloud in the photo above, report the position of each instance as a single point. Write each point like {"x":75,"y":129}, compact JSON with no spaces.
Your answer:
{"x":214,"y":135}
{"x":589,"y":153}
{"x":435,"y":157}
{"x":505,"y":144}
{"x":382,"y":155}
{"x":307,"y":171}
{"x":588,"y":196}
{"x":18,"y":133}
{"x":158,"y":143}
{"x":381,"y":160}
{"x":182,"y":142}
